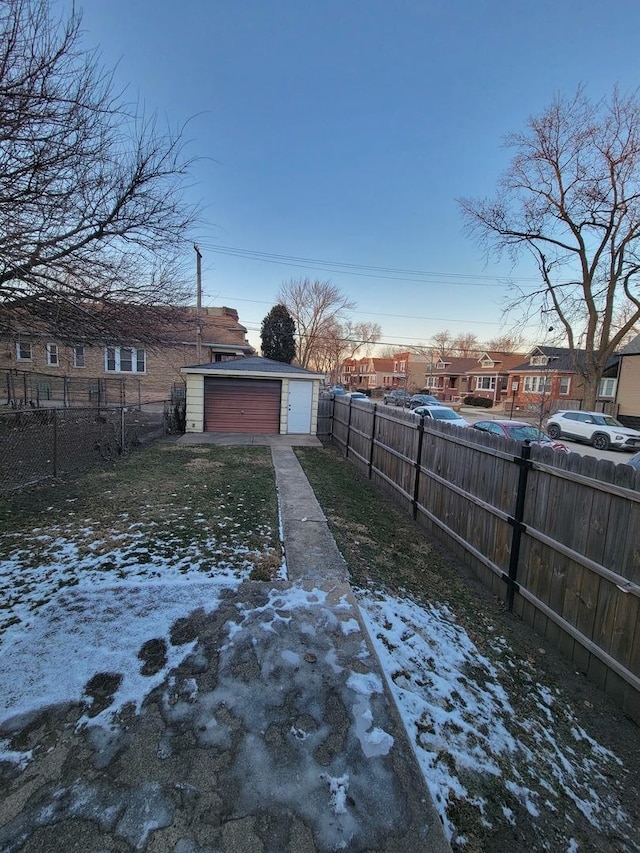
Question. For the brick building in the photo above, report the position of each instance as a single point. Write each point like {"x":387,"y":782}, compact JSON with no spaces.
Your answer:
{"x":39,"y":367}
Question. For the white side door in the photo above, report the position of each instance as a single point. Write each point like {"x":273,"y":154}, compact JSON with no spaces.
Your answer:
{"x":300,"y":395}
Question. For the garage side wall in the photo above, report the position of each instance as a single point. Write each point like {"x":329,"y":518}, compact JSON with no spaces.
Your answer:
{"x":195,"y":403}
{"x":284,"y":408}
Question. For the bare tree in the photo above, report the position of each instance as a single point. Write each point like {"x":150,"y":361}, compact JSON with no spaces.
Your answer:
{"x":571,"y":199}
{"x":442,"y":341}
{"x":341,"y":342}
{"x":91,"y":205}
{"x":505,"y":343}
{"x":317,"y":308}
{"x":465,"y":345}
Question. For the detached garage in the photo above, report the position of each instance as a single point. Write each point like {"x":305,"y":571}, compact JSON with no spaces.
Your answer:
{"x":251,"y":395}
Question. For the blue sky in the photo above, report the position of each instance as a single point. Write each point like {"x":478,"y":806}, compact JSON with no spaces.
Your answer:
{"x":344,"y":131}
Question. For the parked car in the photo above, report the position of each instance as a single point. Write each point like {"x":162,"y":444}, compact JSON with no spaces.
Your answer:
{"x":519,"y":431}
{"x":600,"y":430}
{"x":423,"y":400}
{"x":634,"y":461}
{"x":336,"y":391}
{"x":440,"y":413}
{"x":358,"y":395}
{"x":396,"y":398}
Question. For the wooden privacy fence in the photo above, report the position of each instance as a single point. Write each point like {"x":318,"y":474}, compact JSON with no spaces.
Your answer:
{"x":556,"y":535}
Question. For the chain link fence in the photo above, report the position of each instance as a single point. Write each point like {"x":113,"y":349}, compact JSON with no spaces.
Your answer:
{"x":39,"y":444}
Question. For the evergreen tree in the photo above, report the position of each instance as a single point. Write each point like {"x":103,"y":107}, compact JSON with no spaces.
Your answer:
{"x":278,"y":335}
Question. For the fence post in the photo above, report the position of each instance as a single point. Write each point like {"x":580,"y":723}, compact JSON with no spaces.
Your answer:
{"x":55,"y":442}
{"x":346,"y":450}
{"x":122,"y":429}
{"x":524,"y":461}
{"x":416,"y":465}
{"x":373,"y":438}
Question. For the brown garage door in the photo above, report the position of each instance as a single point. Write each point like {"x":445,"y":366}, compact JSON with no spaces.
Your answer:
{"x":242,"y":405}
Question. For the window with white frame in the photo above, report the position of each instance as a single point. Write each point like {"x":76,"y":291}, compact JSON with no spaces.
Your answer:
{"x":564,"y":385}
{"x":432,"y":382}
{"x":487,"y":363}
{"x":403,"y":366}
{"x":53,"y":359}
{"x":124,"y":360}
{"x":538,"y":360}
{"x":607,"y":388}
{"x":23,"y":351}
{"x":485,"y":383}
{"x":78,"y":356}
{"x":537,"y":384}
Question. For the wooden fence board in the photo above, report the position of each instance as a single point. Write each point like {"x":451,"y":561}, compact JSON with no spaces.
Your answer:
{"x":579,"y":563}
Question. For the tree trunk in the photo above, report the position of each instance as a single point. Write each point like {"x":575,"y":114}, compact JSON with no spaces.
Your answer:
{"x":590,"y":393}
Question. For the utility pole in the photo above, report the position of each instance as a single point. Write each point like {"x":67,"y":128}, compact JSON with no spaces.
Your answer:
{"x":198,"y":304}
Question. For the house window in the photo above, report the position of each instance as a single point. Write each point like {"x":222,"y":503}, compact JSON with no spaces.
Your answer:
{"x":124,"y":360}
{"x":487,"y":363}
{"x":78,"y":356}
{"x":52,"y":355}
{"x":539,"y":360}
{"x":432,"y":382}
{"x":403,"y":366}
{"x":607,"y":388}
{"x":485,"y":383}
{"x":537,"y":384}
{"x":564,"y":385}
{"x":23,"y":351}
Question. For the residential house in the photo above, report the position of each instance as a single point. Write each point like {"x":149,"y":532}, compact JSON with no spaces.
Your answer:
{"x":447,"y":378}
{"x":489,"y":377}
{"x":368,"y":374}
{"x":548,"y":381}
{"x":39,"y":368}
{"x":409,"y":371}
{"x":348,"y":373}
{"x":545,"y":382}
{"x":627,"y":392}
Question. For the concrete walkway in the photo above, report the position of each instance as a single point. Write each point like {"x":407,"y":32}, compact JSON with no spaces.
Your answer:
{"x":275,"y":735}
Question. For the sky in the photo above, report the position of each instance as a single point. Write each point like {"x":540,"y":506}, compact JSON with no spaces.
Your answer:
{"x":334,"y":138}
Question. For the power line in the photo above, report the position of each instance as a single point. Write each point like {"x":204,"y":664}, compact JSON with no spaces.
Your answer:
{"x":398,"y":342}
{"x":381,"y":314}
{"x":369,"y":271}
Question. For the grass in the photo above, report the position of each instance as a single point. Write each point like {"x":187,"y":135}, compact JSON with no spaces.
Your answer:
{"x":385,"y":551}
{"x":382,"y":546}
{"x":191,"y":507}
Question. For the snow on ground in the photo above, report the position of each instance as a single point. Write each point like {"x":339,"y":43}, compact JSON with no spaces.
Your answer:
{"x":74,"y":600}
{"x":471,"y":744}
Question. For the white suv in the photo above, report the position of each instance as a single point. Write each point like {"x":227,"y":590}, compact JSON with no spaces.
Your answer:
{"x":602,"y":431}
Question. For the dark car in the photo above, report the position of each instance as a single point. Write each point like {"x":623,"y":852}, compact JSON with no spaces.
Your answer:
{"x":423,"y":400}
{"x":440,"y":413}
{"x":396,"y":398}
{"x":519,"y":431}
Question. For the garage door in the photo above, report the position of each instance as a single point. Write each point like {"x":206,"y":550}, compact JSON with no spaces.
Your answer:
{"x":242,"y":405}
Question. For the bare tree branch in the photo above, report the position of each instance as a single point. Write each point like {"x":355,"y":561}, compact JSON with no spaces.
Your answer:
{"x":571,"y":197}
{"x":91,"y":192}
{"x":318,"y":308}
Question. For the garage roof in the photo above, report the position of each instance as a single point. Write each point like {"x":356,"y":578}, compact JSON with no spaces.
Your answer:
{"x":254,"y":365}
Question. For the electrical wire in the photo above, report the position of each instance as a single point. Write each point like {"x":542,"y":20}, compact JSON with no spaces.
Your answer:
{"x":368,"y":271}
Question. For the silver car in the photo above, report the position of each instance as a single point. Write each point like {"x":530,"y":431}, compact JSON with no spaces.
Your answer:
{"x":596,"y":428}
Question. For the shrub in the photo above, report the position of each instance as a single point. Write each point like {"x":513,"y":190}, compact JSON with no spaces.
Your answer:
{"x":483,"y":402}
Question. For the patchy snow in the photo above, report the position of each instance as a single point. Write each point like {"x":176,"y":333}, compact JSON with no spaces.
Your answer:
{"x":465,"y":731}
{"x":63,"y":590}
